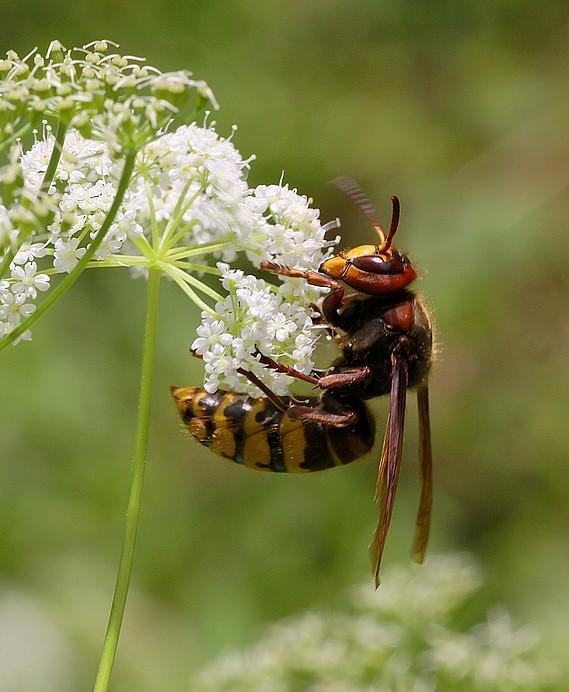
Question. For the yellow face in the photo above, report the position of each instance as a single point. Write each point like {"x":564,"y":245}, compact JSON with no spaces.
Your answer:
{"x":335,"y":266}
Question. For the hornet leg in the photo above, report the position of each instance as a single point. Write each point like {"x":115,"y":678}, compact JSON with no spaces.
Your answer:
{"x":345,"y":378}
{"x":333,"y":300}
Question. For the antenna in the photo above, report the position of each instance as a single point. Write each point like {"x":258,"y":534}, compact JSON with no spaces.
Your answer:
{"x":394,"y":223}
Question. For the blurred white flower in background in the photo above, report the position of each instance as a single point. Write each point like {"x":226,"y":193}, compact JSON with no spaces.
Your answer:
{"x":409,"y":636}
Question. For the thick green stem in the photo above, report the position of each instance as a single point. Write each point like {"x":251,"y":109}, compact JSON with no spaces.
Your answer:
{"x":135,"y":496}
{"x":65,"y":284}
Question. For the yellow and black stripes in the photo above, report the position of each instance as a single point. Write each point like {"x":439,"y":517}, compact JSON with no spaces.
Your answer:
{"x":256,"y":434}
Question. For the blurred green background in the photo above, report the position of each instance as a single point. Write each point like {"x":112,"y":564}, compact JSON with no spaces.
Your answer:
{"x":460,"y":109}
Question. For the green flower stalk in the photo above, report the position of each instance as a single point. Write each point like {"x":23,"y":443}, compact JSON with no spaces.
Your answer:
{"x":137,"y":482}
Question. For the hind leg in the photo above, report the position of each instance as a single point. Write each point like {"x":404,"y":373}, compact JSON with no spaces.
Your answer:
{"x":330,"y":412}
{"x":317,"y":415}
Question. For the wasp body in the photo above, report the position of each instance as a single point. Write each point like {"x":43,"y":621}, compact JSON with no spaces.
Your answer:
{"x":255,"y":433}
{"x":384,"y":335}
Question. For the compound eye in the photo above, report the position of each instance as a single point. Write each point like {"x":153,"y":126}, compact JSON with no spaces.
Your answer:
{"x":374,"y":264}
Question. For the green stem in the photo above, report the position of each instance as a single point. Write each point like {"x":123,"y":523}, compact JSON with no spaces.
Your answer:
{"x":4,"y":265}
{"x":204,"y":268}
{"x":183,"y":252}
{"x":175,"y":239}
{"x":152,"y":209}
{"x":188,"y":278}
{"x":64,"y":285}
{"x":135,"y":496}
{"x":167,"y":242}
{"x":55,"y":156}
{"x":15,"y":136}
{"x":181,"y":279}
{"x":176,"y":215}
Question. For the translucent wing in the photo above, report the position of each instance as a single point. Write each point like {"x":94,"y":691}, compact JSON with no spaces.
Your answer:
{"x":351,"y":188}
{"x":425,"y":456}
{"x":390,"y":462}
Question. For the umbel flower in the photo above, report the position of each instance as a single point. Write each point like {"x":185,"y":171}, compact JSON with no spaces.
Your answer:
{"x":186,"y":206}
{"x":106,"y":165}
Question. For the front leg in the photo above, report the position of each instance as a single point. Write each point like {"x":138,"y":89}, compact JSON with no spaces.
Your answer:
{"x":345,"y":378}
{"x":331,"y":303}
{"x":286,"y":369}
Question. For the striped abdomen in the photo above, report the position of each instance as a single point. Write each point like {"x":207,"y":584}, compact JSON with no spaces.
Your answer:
{"x":254,"y":433}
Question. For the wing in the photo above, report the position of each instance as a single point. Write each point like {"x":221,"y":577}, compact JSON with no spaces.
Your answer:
{"x":425,"y":456}
{"x":350,"y":188}
{"x":390,"y":462}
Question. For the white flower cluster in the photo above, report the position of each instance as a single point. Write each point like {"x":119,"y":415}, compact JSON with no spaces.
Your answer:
{"x":491,"y":656}
{"x":187,"y":201}
{"x":258,"y":318}
{"x":289,"y":230}
{"x":191,"y":185}
{"x":198,"y":179}
{"x":424,"y":595}
{"x":391,"y":646}
{"x":195,"y":176}
{"x":255,"y":318}
{"x":104,"y":94}
{"x":88,"y":177}
{"x":57,"y":191}
{"x":85,"y":181}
